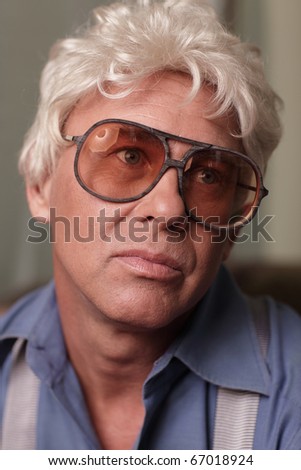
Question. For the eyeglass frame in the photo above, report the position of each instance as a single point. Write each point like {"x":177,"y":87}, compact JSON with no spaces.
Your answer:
{"x":163,"y":136}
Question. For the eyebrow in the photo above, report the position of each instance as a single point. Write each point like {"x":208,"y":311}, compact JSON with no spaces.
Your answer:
{"x":137,"y":133}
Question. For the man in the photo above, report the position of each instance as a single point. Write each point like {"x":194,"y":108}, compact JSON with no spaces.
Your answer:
{"x":146,"y":158}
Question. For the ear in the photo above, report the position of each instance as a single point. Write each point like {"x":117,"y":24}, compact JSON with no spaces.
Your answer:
{"x":38,"y":198}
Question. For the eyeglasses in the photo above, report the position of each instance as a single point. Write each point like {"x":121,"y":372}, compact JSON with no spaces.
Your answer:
{"x":122,"y":161}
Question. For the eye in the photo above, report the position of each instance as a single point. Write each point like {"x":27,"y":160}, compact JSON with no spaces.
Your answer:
{"x":206,"y":176}
{"x":130,"y":156}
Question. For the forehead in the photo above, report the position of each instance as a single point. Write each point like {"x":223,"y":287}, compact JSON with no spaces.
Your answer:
{"x":159,"y":101}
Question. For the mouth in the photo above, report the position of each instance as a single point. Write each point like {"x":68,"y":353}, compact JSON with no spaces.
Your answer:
{"x":150,"y":265}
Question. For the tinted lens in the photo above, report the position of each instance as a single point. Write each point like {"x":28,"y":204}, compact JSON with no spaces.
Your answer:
{"x":220,"y":187}
{"x":118,"y":161}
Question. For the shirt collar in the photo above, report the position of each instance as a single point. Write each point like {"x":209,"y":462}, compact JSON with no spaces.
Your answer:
{"x":220,"y":344}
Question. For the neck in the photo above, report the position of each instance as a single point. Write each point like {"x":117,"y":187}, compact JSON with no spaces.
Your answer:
{"x":108,"y":355}
{"x":112,"y":361}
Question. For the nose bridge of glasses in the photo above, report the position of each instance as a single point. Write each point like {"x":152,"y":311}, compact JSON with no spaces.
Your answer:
{"x":179,"y":166}
{"x":171,"y":163}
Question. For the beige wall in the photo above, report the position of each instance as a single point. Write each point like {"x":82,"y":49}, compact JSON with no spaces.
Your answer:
{"x":275,"y":26}
{"x":282,"y":39}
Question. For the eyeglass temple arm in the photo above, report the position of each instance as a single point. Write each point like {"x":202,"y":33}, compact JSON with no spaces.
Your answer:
{"x":246,"y":186}
{"x":73,"y":138}
{"x":265,"y":191}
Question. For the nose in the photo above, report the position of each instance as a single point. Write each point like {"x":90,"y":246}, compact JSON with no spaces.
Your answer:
{"x":164,"y":200}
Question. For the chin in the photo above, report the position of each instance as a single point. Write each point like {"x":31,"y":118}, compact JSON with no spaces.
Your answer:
{"x":135,"y":317}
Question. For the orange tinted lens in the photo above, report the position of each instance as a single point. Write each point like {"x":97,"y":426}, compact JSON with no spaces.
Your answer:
{"x":220,"y":187}
{"x":120,"y":161}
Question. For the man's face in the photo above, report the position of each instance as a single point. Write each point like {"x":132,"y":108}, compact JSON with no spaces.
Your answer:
{"x":132,"y":270}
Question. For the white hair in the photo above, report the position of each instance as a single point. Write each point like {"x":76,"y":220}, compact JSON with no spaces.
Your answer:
{"x":126,"y":42}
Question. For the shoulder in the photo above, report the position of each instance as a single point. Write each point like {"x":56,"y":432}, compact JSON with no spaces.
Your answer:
{"x":284,"y":353}
{"x":19,"y":320}
{"x":285,"y":331}
{"x":280,"y":413}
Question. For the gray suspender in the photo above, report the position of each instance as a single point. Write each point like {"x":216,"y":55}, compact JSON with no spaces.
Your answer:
{"x":20,"y":412}
{"x":236,"y":411}
{"x":235,"y":419}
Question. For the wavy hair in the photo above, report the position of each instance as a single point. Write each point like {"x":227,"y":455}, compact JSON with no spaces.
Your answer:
{"x":126,"y":42}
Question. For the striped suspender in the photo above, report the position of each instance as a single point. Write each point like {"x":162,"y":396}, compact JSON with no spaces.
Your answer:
{"x":236,"y":410}
{"x":20,"y":412}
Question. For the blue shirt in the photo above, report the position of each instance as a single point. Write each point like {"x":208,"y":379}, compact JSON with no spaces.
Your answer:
{"x":219,"y":347}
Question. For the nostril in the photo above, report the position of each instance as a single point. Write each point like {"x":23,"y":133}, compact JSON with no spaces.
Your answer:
{"x":175,"y":227}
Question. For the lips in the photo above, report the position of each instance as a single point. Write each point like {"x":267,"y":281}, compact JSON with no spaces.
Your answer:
{"x":150,"y":265}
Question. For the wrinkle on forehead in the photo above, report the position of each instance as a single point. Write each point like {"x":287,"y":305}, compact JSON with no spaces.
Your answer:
{"x":175,"y":85}
{"x":157,"y":82}
{"x":160,"y":101}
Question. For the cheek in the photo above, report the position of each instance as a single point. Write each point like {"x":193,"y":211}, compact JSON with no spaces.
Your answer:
{"x":71,"y":200}
{"x":210,"y":249}
{"x":82,"y":226}
{"x":72,"y":225}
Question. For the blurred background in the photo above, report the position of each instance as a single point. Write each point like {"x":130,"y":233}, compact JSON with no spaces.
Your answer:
{"x":28,"y":29}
